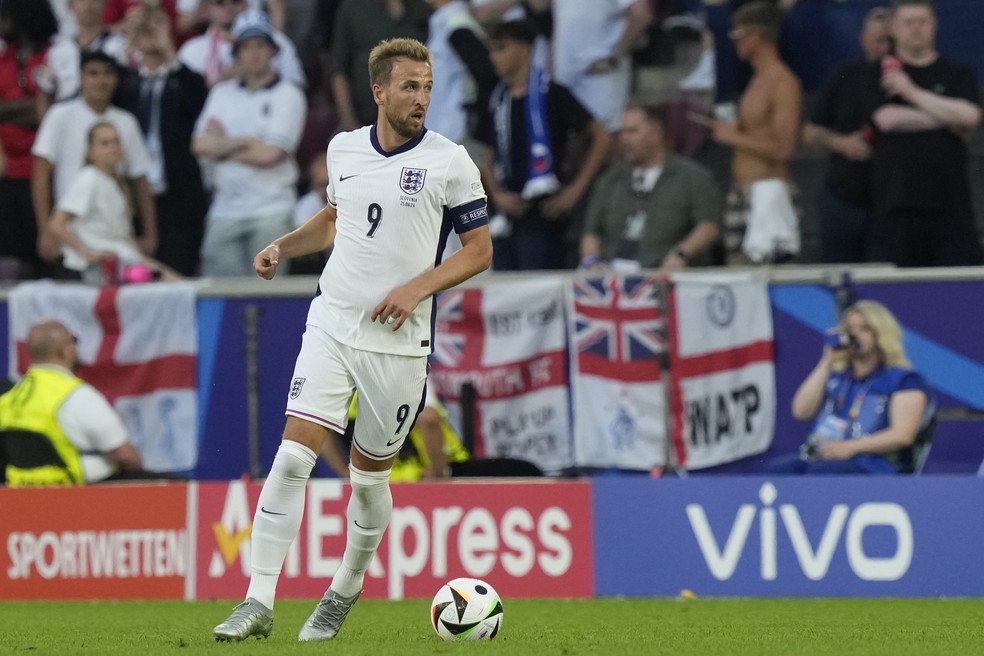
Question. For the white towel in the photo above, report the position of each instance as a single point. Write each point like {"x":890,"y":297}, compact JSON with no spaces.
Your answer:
{"x":773,"y":227}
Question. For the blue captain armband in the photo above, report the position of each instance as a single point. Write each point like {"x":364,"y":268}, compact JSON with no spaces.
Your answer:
{"x":469,"y":216}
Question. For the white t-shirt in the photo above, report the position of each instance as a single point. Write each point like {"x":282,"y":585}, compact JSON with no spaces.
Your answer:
{"x":93,"y":426}
{"x":585,"y":31}
{"x":195,"y":54}
{"x":63,"y":140}
{"x":453,"y":84}
{"x":395,"y":210}
{"x":275,"y":115}
{"x":102,"y":218}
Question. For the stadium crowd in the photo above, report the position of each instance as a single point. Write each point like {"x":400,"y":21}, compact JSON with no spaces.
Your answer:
{"x":599,"y":128}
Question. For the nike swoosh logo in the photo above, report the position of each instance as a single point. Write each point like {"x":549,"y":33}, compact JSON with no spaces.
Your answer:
{"x":364,"y":528}
{"x":270,"y":512}
{"x":343,"y":178}
{"x":391,"y":443}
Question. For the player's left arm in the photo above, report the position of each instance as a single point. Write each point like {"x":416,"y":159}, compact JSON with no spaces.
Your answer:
{"x":474,"y":257}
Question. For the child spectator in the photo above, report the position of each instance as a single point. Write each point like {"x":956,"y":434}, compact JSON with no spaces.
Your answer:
{"x":92,"y":220}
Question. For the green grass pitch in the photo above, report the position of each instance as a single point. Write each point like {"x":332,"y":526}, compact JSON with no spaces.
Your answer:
{"x":707,"y":627}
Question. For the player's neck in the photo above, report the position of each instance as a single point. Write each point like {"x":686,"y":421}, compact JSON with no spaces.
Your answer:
{"x":388,"y":138}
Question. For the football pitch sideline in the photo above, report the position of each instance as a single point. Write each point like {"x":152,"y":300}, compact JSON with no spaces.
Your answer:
{"x":707,"y":627}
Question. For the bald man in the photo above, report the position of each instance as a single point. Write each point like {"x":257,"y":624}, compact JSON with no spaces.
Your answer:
{"x":51,"y":403}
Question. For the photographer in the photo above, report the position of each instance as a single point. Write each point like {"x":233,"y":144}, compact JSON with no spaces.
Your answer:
{"x":867,"y":403}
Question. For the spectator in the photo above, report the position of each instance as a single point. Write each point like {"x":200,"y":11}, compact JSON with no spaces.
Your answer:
{"x":490,"y":13}
{"x":839,"y":126}
{"x":92,"y":221}
{"x":123,"y":16}
{"x":193,"y":15}
{"x":212,"y":54}
{"x":26,"y":29}
{"x":430,"y":452}
{"x":307,"y":206}
{"x":461,"y":69}
{"x":592,"y":43}
{"x":359,"y":26}
{"x":249,"y":129}
{"x":657,"y":210}
{"x":89,"y":35}
{"x":924,"y":108}
{"x":60,"y":148}
{"x":524,"y":169}
{"x":760,"y":223}
{"x":867,"y":403}
{"x":54,"y":428}
{"x":167,"y":97}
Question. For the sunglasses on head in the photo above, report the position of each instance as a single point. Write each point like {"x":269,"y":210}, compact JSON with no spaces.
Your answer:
{"x":222,"y":3}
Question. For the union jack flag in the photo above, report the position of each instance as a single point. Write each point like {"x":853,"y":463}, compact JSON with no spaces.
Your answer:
{"x":619,"y":327}
{"x":449,"y":345}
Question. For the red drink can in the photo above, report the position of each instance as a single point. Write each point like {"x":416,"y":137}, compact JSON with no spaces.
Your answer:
{"x":891,"y":65}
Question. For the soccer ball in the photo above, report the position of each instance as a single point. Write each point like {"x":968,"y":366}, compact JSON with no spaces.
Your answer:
{"x":466,"y":609}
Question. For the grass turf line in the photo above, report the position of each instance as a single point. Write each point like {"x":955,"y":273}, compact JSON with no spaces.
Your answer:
{"x":708,"y":627}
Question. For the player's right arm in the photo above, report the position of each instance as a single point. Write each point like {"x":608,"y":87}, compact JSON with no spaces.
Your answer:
{"x":316,"y":234}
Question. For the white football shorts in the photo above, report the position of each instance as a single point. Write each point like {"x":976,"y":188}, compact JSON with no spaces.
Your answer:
{"x":391,"y":391}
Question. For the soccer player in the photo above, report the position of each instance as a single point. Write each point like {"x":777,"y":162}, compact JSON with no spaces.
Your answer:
{"x":395,"y":191}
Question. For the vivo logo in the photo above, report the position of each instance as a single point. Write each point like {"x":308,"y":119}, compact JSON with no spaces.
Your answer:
{"x":814,"y":561}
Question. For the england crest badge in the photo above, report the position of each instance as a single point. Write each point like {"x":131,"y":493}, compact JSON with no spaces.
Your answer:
{"x":412,"y":180}
{"x":295,"y":387}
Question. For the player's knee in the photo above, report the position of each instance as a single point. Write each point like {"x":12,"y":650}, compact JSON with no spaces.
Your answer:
{"x":294,"y":461}
{"x":367,"y":479}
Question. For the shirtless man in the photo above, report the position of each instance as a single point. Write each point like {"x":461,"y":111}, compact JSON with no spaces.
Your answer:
{"x":764,"y":137}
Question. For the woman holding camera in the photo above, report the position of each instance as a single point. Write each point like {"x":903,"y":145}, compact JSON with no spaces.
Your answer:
{"x":867,"y":403}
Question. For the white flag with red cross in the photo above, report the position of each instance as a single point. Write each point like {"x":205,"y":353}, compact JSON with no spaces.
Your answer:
{"x":138,"y":345}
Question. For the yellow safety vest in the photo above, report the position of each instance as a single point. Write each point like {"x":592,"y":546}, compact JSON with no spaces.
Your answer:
{"x":32,"y":405}
{"x":412,"y":460}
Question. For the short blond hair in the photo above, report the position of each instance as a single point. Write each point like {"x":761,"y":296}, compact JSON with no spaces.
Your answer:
{"x":382,"y":56}
{"x":888,"y":332}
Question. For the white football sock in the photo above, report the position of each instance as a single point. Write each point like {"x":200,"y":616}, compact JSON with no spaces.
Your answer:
{"x":278,"y":517}
{"x":367,"y":517}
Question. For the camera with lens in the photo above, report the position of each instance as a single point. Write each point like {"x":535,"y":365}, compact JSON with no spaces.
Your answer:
{"x":840,"y":341}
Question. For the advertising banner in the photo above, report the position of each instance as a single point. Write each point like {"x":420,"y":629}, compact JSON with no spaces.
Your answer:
{"x":99,"y":542}
{"x":508,"y":340}
{"x":526,"y":539}
{"x":790,"y":537}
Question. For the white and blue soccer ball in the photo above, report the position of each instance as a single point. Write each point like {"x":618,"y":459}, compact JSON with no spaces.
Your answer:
{"x":467,"y":609}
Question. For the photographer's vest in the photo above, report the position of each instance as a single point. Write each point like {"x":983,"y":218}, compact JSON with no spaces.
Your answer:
{"x":32,"y":406}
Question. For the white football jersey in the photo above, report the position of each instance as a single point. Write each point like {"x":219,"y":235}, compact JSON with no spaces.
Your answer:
{"x":395,"y":212}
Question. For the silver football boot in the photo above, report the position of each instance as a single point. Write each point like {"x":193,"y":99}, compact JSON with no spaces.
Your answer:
{"x":250,"y":618}
{"x":327,"y":618}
